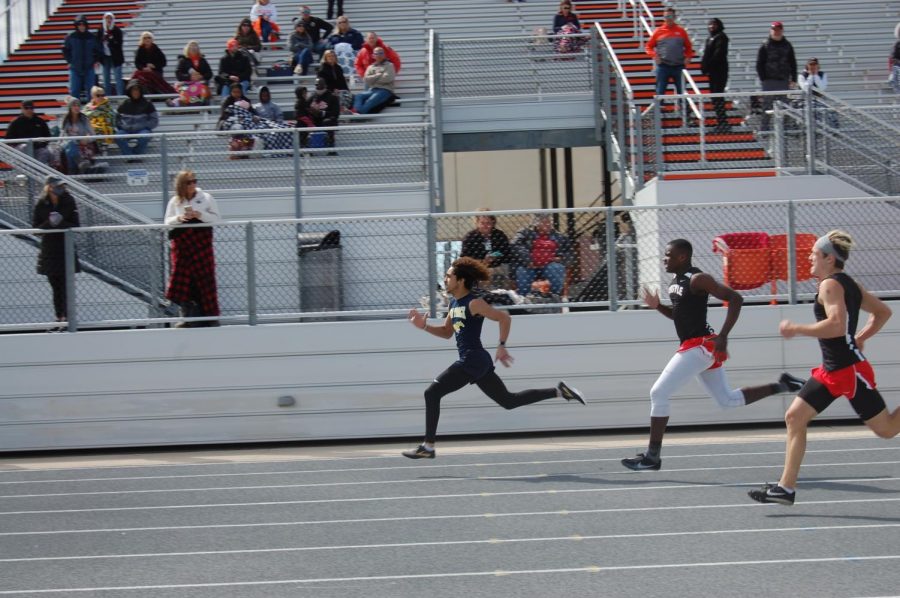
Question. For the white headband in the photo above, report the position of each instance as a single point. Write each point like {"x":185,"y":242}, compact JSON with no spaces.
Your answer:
{"x":825,"y":245}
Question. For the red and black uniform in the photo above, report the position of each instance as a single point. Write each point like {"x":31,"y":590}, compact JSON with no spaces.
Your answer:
{"x":844,"y":370}
{"x":689,"y":313}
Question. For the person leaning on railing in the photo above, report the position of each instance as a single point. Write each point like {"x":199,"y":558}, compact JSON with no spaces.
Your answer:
{"x":55,"y":209}
{"x":192,"y":283}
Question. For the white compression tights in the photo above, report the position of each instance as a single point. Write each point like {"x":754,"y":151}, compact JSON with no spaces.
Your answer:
{"x":681,"y":368}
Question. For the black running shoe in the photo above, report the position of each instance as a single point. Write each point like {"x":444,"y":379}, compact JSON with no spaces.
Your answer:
{"x":569,"y":393}
{"x":420,"y":452}
{"x":792,"y":383}
{"x":773,"y":493}
{"x":642,"y":463}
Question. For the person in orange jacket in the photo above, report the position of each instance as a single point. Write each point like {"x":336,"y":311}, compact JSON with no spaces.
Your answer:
{"x":671,"y":50}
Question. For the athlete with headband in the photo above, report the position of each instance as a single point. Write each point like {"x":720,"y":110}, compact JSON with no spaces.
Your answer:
{"x":844,"y":370}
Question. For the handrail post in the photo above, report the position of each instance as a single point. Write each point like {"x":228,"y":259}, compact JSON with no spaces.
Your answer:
{"x":298,"y":197}
{"x":810,"y":126}
{"x":69,"y":265}
{"x":437,"y":124}
{"x":431,"y":256}
{"x":657,"y":133}
{"x":250,"y":253}
{"x":612,"y":292}
{"x":596,"y":82}
{"x":638,"y":147}
{"x":792,"y":252}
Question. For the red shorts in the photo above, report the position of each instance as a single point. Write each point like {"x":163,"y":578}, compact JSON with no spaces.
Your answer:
{"x":843,"y":382}
{"x":706,"y":343}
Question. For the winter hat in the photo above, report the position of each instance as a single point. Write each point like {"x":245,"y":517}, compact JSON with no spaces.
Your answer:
{"x":81,"y":20}
{"x":232,"y":45}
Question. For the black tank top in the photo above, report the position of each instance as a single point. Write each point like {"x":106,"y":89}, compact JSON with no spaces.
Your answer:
{"x":841,"y":351}
{"x":467,"y":329}
{"x":688,"y":309}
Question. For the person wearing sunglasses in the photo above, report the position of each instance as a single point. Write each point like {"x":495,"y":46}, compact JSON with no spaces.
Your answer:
{"x":565,"y":16}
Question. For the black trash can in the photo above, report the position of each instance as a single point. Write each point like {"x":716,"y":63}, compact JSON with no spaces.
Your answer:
{"x":320,"y":271}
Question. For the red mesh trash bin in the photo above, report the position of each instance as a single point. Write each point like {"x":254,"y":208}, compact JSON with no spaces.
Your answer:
{"x":746,"y":262}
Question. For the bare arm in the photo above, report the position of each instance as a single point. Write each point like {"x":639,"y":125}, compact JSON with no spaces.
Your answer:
{"x":831,"y":295}
{"x":651,"y":298}
{"x":879,"y":314}
{"x":705,"y":283}
{"x":481,"y":308}
{"x":420,"y":321}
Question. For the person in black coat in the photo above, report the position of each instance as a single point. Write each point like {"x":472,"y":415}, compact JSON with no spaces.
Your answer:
{"x":325,"y":108}
{"x":234,"y":67}
{"x":332,"y":72}
{"x":109,"y":38}
{"x":150,"y":62}
{"x":489,"y":245}
{"x":28,"y":126}
{"x":715,"y":66}
{"x":192,"y":65}
{"x":55,"y":210}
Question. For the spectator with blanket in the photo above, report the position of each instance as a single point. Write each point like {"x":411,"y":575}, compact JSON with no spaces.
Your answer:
{"x":193,"y":73}
{"x":192,"y":283}
{"x":150,"y":63}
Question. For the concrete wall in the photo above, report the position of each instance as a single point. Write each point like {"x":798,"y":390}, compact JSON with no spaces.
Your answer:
{"x":365,"y":379}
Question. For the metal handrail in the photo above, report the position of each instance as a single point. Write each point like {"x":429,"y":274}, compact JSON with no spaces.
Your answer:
{"x":620,"y":72}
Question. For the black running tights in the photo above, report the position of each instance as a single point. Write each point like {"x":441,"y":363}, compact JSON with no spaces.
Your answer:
{"x":454,"y":378}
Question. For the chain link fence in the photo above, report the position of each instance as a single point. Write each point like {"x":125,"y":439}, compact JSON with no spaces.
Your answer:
{"x":529,"y":66}
{"x":539,"y":262}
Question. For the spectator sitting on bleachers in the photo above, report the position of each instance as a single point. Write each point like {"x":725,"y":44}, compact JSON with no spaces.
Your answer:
{"x":565,"y":16}
{"x":318,"y":29}
{"x":109,"y":38}
{"x":101,"y":113}
{"x":248,"y":40}
{"x":193,"y":73}
{"x":234,"y":67}
{"x":301,"y":45}
{"x":541,"y":251}
{"x":365,"y":57}
{"x":81,"y":51}
{"x":325,"y":109}
{"x":345,"y":34}
{"x":135,"y":115}
{"x":264,"y":16}
{"x":266,"y":108}
{"x":28,"y":126}
{"x":302,"y":115}
{"x":150,"y":62}
{"x":334,"y":78}
{"x":79,"y":153}
{"x":488,"y":244}
{"x":236,"y":94}
{"x":379,"y":79}
{"x":894,"y":62}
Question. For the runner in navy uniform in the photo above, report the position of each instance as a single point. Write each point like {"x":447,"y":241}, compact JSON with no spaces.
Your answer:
{"x":844,"y":370}
{"x":702,"y":352}
{"x":464,"y":319}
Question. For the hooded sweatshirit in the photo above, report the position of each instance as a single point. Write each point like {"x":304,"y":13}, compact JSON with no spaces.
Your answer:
{"x":134,"y":116}
{"x":110,"y":41}
{"x":81,"y":49}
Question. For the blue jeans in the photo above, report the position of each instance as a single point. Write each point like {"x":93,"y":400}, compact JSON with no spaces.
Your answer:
{"x":265,"y":29}
{"x":367,"y":101}
{"x":665,"y":72}
{"x":114,"y":86}
{"x":80,"y":83}
{"x":554,"y":272}
{"x":140,"y":148}
{"x":304,"y":58}
{"x":224,"y":90}
{"x":73,"y":155}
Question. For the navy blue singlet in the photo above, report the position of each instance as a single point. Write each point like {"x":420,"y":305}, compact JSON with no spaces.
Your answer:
{"x":467,"y":327}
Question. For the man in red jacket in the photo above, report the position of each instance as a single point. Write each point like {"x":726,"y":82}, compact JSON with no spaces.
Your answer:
{"x":671,"y":50}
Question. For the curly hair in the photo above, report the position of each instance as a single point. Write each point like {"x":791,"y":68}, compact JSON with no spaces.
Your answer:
{"x":470,"y":271}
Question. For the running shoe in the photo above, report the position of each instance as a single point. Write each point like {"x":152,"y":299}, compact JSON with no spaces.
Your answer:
{"x":569,"y":393}
{"x":773,"y":493}
{"x":792,"y":383}
{"x":642,"y":462}
{"x":420,"y":452}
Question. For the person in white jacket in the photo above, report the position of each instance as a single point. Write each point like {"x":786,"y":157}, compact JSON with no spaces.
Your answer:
{"x":264,"y":16}
{"x":813,"y":77}
{"x":192,"y":283}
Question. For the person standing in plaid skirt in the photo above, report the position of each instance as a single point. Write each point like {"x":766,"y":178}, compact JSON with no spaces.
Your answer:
{"x":192,"y":283}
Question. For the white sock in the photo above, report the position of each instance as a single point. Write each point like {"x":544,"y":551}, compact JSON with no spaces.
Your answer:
{"x":786,"y":489}
{"x":428,"y":445}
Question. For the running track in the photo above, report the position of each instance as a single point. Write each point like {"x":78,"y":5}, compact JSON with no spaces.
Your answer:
{"x":495,"y":518}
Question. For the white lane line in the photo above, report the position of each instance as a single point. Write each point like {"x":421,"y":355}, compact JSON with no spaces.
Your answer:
{"x":366,"y":499}
{"x":669,"y":457}
{"x":496,"y":573}
{"x":617,"y":510}
{"x":420,"y":480}
{"x":492,"y":541}
{"x":815,"y":438}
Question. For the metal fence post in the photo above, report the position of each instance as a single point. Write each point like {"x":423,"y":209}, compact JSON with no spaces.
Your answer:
{"x":153,"y":275}
{"x":606,"y":99}
{"x":250,"y":252}
{"x":69,"y":262}
{"x":623,"y":149}
{"x":437,"y":202}
{"x":298,"y":196}
{"x":595,"y":82}
{"x":658,"y":140}
{"x":431,"y":253}
{"x":164,"y":170}
{"x":639,"y":148}
{"x":809,"y":124}
{"x":612,"y":292}
{"x":792,"y":253}
{"x":780,"y":144}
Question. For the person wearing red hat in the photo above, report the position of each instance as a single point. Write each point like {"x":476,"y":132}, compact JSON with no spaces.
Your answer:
{"x":776,"y":67}
{"x":234,"y":67}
